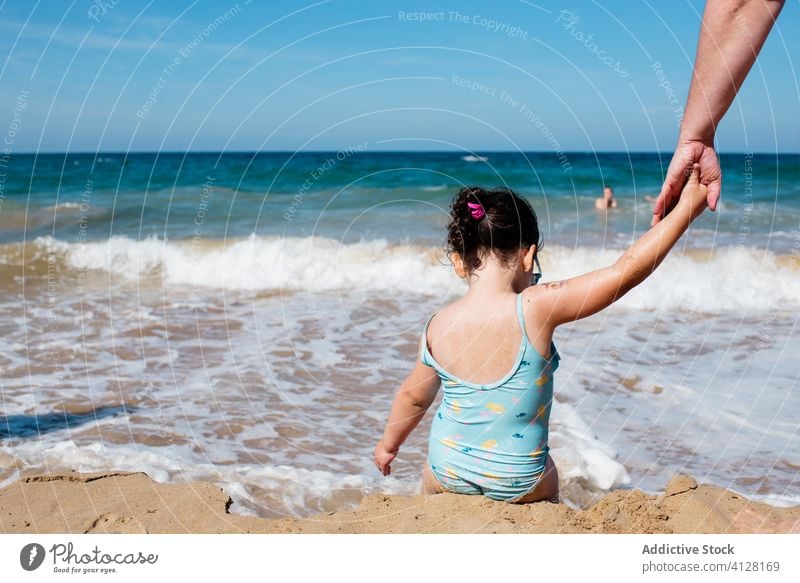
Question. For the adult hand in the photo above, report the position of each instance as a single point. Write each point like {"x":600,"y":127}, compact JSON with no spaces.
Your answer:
{"x":686,"y":155}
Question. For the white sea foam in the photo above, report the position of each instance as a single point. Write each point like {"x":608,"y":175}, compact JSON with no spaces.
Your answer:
{"x":277,"y":489}
{"x":730,"y":279}
{"x":581,"y":455}
{"x":274,"y":489}
{"x":313,"y":263}
{"x":284,"y":488}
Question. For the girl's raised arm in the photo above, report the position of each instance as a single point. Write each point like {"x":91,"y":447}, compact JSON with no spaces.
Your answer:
{"x":572,"y":299}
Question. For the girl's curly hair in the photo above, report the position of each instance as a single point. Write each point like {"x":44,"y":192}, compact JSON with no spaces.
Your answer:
{"x":503,"y":224}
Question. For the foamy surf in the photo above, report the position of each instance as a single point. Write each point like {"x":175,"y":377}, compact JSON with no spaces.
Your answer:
{"x":586,"y":466}
{"x":257,"y":490}
{"x":717,"y":280}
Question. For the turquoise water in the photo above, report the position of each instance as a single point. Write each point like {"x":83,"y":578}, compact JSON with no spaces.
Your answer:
{"x":246,"y":318}
{"x":354,"y":194}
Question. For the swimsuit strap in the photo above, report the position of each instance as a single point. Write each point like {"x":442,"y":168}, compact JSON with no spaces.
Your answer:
{"x":424,"y":354}
{"x":554,"y":356}
{"x":521,"y":317}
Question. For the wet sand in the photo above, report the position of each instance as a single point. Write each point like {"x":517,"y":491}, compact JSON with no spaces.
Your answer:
{"x":131,"y":502}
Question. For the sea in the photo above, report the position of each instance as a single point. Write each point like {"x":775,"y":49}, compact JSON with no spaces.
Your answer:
{"x":246,"y":318}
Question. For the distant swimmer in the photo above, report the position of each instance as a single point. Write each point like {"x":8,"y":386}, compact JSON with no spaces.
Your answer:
{"x":607,"y":201}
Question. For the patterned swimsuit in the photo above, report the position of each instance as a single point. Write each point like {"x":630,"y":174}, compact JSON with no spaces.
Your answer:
{"x":492,"y":439}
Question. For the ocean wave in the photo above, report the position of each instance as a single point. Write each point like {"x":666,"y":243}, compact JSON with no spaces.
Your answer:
{"x":474,"y":158}
{"x":256,"y":263}
{"x":721,"y":279}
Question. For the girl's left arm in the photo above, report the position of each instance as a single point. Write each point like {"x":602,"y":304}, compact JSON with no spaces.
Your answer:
{"x":411,"y":402}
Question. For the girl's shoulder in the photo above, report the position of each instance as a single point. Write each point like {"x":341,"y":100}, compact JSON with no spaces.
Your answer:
{"x":439,"y":320}
{"x":532,"y":296}
{"x":535,"y":310}
{"x":436,"y":325}
{"x":537,"y":300}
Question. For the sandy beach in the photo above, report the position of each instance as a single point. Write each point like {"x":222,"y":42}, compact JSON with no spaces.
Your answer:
{"x":131,"y":502}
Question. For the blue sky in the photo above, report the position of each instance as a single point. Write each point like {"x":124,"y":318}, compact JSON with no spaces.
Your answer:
{"x":506,"y":75}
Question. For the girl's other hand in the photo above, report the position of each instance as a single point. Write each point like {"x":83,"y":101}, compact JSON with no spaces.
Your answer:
{"x":383,"y":457}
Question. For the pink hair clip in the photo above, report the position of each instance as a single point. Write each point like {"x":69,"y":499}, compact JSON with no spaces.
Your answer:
{"x":476,"y":210}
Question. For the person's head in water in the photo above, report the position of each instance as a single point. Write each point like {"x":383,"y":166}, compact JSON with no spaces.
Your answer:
{"x":606,"y":201}
{"x":494,"y":225}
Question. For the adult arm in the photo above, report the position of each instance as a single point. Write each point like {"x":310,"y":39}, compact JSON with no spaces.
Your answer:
{"x":731,"y":36}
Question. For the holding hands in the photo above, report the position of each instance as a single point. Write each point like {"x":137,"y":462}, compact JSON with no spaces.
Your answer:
{"x":688,"y":155}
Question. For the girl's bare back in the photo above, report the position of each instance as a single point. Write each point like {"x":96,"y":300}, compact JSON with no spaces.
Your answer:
{"x":480,"y":344}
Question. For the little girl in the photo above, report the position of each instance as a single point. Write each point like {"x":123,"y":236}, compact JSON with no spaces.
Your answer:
{"x":492,"y":349}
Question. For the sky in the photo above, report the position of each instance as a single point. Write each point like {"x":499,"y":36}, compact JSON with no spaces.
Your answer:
{"x":119,"y":75}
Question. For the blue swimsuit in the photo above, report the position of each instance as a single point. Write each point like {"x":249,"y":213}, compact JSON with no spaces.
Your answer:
{"x":492,"y":439}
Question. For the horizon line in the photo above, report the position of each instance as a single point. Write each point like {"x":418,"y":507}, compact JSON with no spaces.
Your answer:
{"x":466,"y":152}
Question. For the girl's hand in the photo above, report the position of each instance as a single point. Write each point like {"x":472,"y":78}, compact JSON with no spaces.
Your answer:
{"x":694,"y":194}
{"x":383,"y":457}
